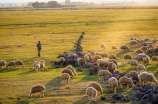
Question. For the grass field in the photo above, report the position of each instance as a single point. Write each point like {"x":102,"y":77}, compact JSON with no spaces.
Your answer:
{"x":58,"y":31}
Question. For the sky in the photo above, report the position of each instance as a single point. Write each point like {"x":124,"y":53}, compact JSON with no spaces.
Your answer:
{"x":95,"y":1}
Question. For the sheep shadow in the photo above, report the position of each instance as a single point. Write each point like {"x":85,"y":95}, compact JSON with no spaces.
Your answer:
{"x":84,"y":100}
{"x":23,"y":102}
{"x":26,"y":73}
{"x":7,"y":70}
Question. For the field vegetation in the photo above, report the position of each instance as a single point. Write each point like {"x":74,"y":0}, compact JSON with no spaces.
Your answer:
{"x":58,"y":31}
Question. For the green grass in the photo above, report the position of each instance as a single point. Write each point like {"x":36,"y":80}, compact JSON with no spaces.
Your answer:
{"x":58,"y":31}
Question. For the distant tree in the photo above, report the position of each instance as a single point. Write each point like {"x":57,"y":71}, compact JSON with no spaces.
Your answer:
{"x":30,"y":4}
{"x":42,"y":3}
{"x":35,"y":4}
{"x":52,"y":2}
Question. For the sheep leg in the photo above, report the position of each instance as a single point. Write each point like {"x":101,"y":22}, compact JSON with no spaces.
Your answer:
{"x":68,"y":81}
{"x":36,"y":94}
{"x":127,"y":86}
{"x":89,"y":98}
{"x":40,"y":94}
{"x":43,"y":94}
{"x":114,"y":89}
{"x":12,"y":67}
{"x":121,"y":85}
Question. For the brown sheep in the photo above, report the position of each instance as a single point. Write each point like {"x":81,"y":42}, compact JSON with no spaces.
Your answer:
{"x":81,"y":61}
{"x":97,"y":86}
{"x":141,"y":67}
{"x":126,"y":80}
{"x":12,"y":63}
{"x":133,"y":42}
{"x":86,"y":58}
{"x":102,"y":54}
{"x":102,"y":45}
{"x":36,"y":89}
{"x":154,"y":59}
{"x":72,"y":69}
{"x":112,"y":66}
{"x":145,"y":76}
{"x":102,"y":73}
{"x":138,"y":52}
{"x":102,"y":63}
{"x":144,"y":44}
{"x":124,"y":47}
{"x":91,"y":93}
{"x":19,"y":62}
{"x":150,"y":52}
{"x":2,"y":63}
{"x":62,"y":60}
{"x":140,"y":58}
{"x":113,"y":56}
{"x":96,"y":57}
{"x":65,"y":76}
{"x":127,"y":56}
{"x":114,"y":48}
{"x":114,"y":61}
{"x":156,"y":50}
{"x":113,"y":83}
{"x":133,"y":63}
{"x":37,"y":67}
{"x":68,"y":71}
{"x":144,"y":48}
{"x":133,"y":73}
{"x":34,"y":64}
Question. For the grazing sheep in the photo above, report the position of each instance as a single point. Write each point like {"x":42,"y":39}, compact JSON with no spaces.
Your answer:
{"x":12,"y":63}
{"x":97,"y":86}
{"x":34,"y":64}
{"x":150,"y":52}
{"x":96,"y":57}
{"x":127,"y":56}
{"x":133,"y":42}
{"x":144,"y":48}
{"x":102,"y":54}
{"x":126,"y":80}
{"x":42,"y":66}
{"x":102,"y":73}
{"x":112,"y":56}
{"x":86,"y":58}
{"x":42,"y":61}
{"x":68,"y":71}
{"x":133,"y":73}
{"x":102,"y":45}
{"x":112,"y":66}
{"x":145,"y":76}
{"x":19,"y":62}
{"x":144,"y":44}
{"x":81,"y":61}
{"x":114,"y":48}
{"x":90,"y":56}
{"x":114,"y":61}
{"x":113,"y":83}
{"x":72,"y":69}
{"x":124,"y":47}
{"x":132,"y":38}
{"x":154,"y":59}
{"x":102,"y":63}
{"x":141,"y":67}
{"x":62,"y":60}
{"x":65,"y":76}
{"x":91,"y":93}
{"x":133,"y":63}
{"x":156,"y":50}
{"x":37,"y":67}
{"x":140,"y":57}
{"x":2,"y":63}
{"x":138,"y":52}
{"x":36,"y":89}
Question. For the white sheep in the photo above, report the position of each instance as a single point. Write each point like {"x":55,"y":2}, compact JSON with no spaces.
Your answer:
{"x":114,"y":48}
{"x":102,"y":73}
{"x":102,"y":63}
{"x":42,"y":66}
{"x":126,"y":57}
{"x":145,"y":76}
{"x":113,"y":83}
{"x":97,"y":86}
{"x":81,"y":61}
{"x":91,"y":93}
{"x":72,"y":69}
{"x":113,"y":56}
{"x":124,"y":47}
{"x":102,"y":54}
{"x":2,"y":63}
{"x":102,"y":45}
{"x":141,"y":67}
{"x":133,"y":42}
{"x":86,"y":58}
{"x":154,"y":59}
{"x":65,"y":76}
{"x":68,"y":71}
{"x":36,"y":89}
{"x":133,"y":73}
{"x":19,"y":62}
{"x":138,"y":52}
{"x":37,"y":67}
{"x":34,"y":64}
{"x":126,"y":80}
{"x":96,"y":57}
{"x":62,"y":60}
{"x":133,"y":63}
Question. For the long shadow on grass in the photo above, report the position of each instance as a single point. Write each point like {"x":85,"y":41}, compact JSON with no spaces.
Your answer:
{"x":27,"y":72}
{"x":7,"y":70}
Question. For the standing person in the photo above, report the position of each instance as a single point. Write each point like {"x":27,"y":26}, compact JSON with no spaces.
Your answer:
{"x":39,"y":48}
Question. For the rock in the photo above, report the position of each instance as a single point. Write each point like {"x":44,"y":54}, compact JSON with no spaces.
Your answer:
{"x":106,"y":77}
{"x":137,"y":88}
{"x":117,"y":96}
{"x":79,"y":69}
{"x":113,"y":101}
{"x":143,"y":102}
{"x":98,"y":69}
{"x":116,"y":72}
{"x":103,"y":98}
{"x":154,"y":99}
{"x":18,"y":98}
{"x":135,"y":79}
{"x":154,"y":87}
{"x":139,"y":95}
{"x":57,"y":66}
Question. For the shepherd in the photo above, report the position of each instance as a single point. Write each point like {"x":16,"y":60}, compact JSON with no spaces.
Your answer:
{"x":39,"y":48}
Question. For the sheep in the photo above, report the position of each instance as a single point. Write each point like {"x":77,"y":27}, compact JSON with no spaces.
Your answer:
{"x":37,"y":67}
{"x":126,"y":80}
{"x":19,"y":62}
{"x":42,"y":65}
{"x":138,"y":52}
{"x":97,"y":86}
{"x":150,"y":52}
{"x":12,"y":63}
{"x":133,"y":73}
{"x":81,"y":61}
{"x":2,"y":63}
{"x":72,"y":69}
{"x":90,"y":56}
{"x":42,"y":61}
{"x":124,"y":47}
{"x":102,"y":73}
{"x":102,"y":54}
{"x":112,"y":56}
{"x":133,"y":63}
{"x":127,"y":56}
{"x":86,"y":58}
{"x":113,"y":83}
{"x":114,"y":61}
{"x":132,"y":38}
{"x":34,"y":64}
{"x":65,"y":76}
{"x":36,"y":89}
{"x":96,"y":57}
{"x":133,"y":42}
{"x":144,"y":48}
{"x":156,"y":50}
{"x":62,"y":60}
{"x":141,"y":67}
{"x":68,"y":71}
{"x":145,"y":76}
{"x":144,"y":44}
{"x":102,"y":63}
{"x":114,"y":48}
{"x":102,"y":45}
{"x":154,"y":58}
{"x":112,"y":66}
{"x":140,"y":57}
{"x":91,"y":93}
